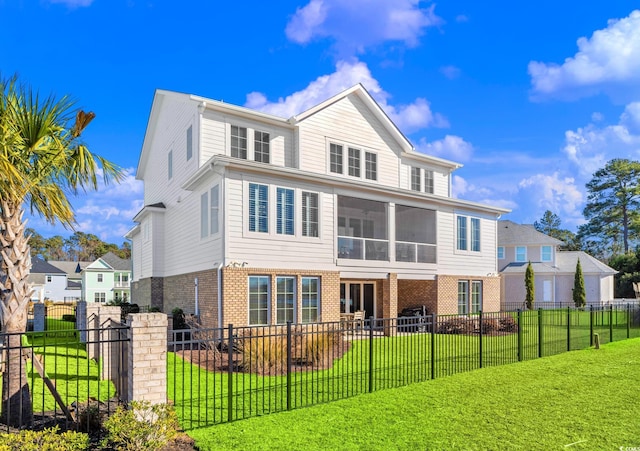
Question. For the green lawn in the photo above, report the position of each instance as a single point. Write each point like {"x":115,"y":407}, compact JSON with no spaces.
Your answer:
{"x":585,"y":400}
{"x":65,"y":361}
{"x":202,"y":397}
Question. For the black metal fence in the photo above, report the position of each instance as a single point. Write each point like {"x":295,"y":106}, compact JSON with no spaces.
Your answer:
{"x":64,"y":377}
{"x":221,"y":375}
{"x":512,"y":306}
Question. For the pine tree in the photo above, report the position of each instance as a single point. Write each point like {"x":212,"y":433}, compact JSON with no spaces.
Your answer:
{"x":579,"y":293}
{"x":529,"y":282}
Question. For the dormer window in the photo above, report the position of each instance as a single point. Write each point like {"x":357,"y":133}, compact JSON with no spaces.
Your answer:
{"x":261,"y":147}
{"x":370,"y":166}
{"x":335,"y":158}
{"x":354,"y":162}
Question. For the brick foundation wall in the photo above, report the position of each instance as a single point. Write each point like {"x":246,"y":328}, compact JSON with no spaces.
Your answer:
{"x":448,"y":293}
{"x":180,"y":292}
{"x":235,"y":287}
{"x":415,"y":293}
{"x":148,"y":292}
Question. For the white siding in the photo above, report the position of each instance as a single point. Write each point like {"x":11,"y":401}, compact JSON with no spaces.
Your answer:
{"x":349,"y":122}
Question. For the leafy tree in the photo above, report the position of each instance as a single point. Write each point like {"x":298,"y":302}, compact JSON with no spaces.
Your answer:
{"x":42,"y":160}
{"x":550,"y":223}
{"x":529,"y":282}
{"x":55,"y":248}
{"x":628,"y":267}
{"x":613,"y":202}
{"x":37,"y":243}
{"x":579,"y":293}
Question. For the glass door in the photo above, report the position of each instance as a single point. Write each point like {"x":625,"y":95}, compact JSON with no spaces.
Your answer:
{"x":355,"y":296}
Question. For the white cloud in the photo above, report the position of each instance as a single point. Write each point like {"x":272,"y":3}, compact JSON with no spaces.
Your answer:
{"x":590,"y":147}
{"x":408,"y":117}
{"x":463,"y":189}
{"x":450,"y":72}
{"x":357,"y":24}
{"x":607,"y":62}
{"x":72,"y":3}
{"x":554,"y":192}
{"x":597,"y":117}
{"x":107,"y":213}
{"x":461,"y":18}
{"x":451,"y":147}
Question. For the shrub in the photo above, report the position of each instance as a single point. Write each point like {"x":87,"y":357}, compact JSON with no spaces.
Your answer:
{"x":142,"y":427}
{"x":127,"y":308}
{"x":490,"y":325}
{"x":46,"y":440}
{"x":508,"y":324}
{"x":457,"y":326}
{"x":265,"y":354}
{"x":179,"y":322}
{"x":316,"y":347}
{"x":69,"y":317}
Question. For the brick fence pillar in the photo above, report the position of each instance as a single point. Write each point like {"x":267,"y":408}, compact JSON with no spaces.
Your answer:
{"x":39,"y":317}
{"x":147,"y":357}
{"x":390,"y":302}
{"x":81,"y":320}
{"x":109,"y":317}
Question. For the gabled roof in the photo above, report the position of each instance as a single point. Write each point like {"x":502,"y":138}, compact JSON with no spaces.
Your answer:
{"x":73,"y":269}
{"x":359,"y":90}
{"x":117,"y":263}
{"x":39,"y":266}
{"x":566,"y":262}
{"x":512,"y":234}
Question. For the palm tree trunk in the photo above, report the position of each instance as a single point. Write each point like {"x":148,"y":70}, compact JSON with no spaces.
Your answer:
{"x":15,"y":293}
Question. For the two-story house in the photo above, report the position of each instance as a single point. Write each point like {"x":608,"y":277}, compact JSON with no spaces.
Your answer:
{"x":107,"y":279}
{"x":251,"y":218}
{"x":51,"y":283}
{"x":554,"y":270}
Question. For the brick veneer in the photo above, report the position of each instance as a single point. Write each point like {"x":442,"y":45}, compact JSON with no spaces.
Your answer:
{"x":448,"y":293}
{"x":415,"y":293}
{"x":235,"y":296}
{"x":148,"y":292}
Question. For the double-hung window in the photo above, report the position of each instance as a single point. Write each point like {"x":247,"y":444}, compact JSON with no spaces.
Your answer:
{"x":354,"y":162}
{"x":462,"y":233}
{"x":521,"y":253}
{"x":335,"y":158}
{"x":285,"y":217}
{"x":239,"y":142}
{"x":258,"y":208}
{"x":475,"y":234}
{"x":500,"y":252}
{"x":370,"y":166}
{"x":310,"y":214}
{"x":99,"y":297}
{"x":545,"y":253}
{"x":100,"y":278}
{"x":310,"y":299}
{"x":258,"y":300}
{"x":261,"y":147}
{"x":428,"y":182}
{"x":416,"y":179}
{"x":285,"y":299}
{"x":476,"y":296}
{"x":463,"y":297}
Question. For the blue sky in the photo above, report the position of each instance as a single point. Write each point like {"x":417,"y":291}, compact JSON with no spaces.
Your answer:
{"x":532,"y":97}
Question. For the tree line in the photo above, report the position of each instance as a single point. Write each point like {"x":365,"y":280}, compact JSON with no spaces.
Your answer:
{"x":78,"y":247}
{"x":611,"y":232}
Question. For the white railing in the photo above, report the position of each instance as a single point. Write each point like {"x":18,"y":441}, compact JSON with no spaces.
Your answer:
{"x":415,"y":252}
{"x":363,"y":248}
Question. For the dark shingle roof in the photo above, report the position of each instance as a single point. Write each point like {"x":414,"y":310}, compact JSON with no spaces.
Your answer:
{"x":566,"y":262}
{"x":512,"y":234}
{"x":117,"y":263}
{"x":39,"y":266}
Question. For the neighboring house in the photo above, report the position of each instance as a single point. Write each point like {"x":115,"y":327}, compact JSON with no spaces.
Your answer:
{"x":51,"y":283}
{"x":251,"y":218}
{"x":74,"y":275}
{"x":554,"y":270}
{"x":107,"y":279}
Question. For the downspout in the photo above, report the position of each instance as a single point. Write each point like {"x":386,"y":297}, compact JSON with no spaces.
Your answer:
{"x":197,"y":309}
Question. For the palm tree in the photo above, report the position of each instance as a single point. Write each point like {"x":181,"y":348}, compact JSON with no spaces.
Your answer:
{"x":42,"y":160}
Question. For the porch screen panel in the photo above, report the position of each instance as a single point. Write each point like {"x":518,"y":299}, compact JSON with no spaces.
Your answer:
{"x":362,"y":229}
{"x":415,"y":234}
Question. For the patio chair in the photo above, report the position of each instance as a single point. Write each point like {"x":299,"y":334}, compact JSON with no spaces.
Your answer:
{"x":358,"y":319}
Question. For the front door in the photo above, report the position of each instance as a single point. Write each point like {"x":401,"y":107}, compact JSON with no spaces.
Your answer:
{"x":356,"y":296}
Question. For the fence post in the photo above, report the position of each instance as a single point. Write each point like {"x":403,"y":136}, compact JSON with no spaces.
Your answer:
{"x":81,"y":320}
{"x":289,"y":357}
{"x":434,"y":321}
{"x":230,"y":375}
{"x":147,"y":357}
{"x":519,"y":335}
{"x":480,"y":343}
{"x":568,"y":328}
{"x":628,"y":321}
{"x":591,"y":325}
{"x":371,"y":354}
{"x":610,"y":323}
{"x":540,"y":336}
{"x":39,"y":317}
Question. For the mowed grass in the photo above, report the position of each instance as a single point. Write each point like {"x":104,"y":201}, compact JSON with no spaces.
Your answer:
{"x":584,"y":400}
{"x":201,"y":397}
